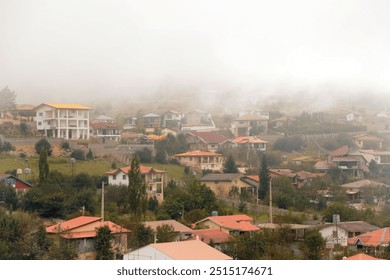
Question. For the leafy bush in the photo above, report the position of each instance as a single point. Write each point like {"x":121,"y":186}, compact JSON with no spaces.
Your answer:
{"x":78,"y":154}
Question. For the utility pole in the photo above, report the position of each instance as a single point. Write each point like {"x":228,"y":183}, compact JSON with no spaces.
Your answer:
{"x":270,"y":201}
{"x":102,"y":214}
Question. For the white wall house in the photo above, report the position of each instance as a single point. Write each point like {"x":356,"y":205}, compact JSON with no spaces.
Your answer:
{"x":68,"y":121}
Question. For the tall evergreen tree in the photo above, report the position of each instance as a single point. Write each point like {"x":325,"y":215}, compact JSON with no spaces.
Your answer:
{"x":264,"y":178}
{"x":230,"y":165}
{"x":103,"y":244}
{"x":136,"y":190}
{"x":43,"y":165}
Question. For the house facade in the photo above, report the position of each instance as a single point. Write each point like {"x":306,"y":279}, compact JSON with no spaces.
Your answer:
{"x":171,"y":119}
{"x":201,"y":160}
{"x":81,"y":233}
{"x":197,"y":121}
{"x":105,"y":131}
{"x":68,"y":121}
{"x":155,"y":180}
{"x":223,"y":184}
{"x":366,"y":141}
{"x":249,"y":124}
{"x":206,"y":141}
{"x":231,"y":224}
{"x":151,"y":121}
{"x":250,"y":143}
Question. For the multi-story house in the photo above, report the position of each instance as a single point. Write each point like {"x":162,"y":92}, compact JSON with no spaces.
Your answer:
{"x":155,"y":180}
{"x":68,"y":121}
{"x":250,"y":143}
{"x":152,"y":121}
{"x":201,"y":160}
{"x":197,"y":120}
{"x":171,"y":119}
{"x":206,"y":140}
{"x":249,"y":124}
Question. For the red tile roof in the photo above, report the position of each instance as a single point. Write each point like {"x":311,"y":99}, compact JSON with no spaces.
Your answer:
{"x":143,"y":169}
{"x":215,"y":235}
{"x":72,"y":224}
{"x":372,"y":239}
{"x":322,"y":165}
{"x":210,"y":137}
{"x":197,"y":153}
{"x":362,"y":257}
{"x":233,"y":222}
{"x":342,"y":151}
{"x":114,"y":228}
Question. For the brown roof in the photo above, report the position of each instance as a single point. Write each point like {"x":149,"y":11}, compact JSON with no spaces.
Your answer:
{"x":322,"y":165}
{"x":210,"y":137}
{"x":362,"y":184}
{"x":178,"y":227}
{"x":72,"y":224}
{"x":248,"y":139}
{"x":342,"y":151}
{"x":367,"y":137}
{"x":213,"y":235}
{"x":349,"y":159}
{"x":103,"y":125}
{"x":143,"y":169}
{"x":190,"y":250}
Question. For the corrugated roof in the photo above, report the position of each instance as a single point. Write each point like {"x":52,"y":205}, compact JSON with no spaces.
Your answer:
{"x":226,"y":177}
{"x":190,"y":250}
{"x":197,"y":153}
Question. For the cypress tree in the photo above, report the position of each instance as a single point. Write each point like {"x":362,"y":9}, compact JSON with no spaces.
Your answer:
{"x":264,"y":178}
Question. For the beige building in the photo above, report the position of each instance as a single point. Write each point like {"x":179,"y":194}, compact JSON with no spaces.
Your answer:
{"x":223,"y":183}
{"x":201,"y":160}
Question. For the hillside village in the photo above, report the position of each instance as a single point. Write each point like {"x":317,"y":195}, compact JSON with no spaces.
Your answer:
{"x":78,"y":182}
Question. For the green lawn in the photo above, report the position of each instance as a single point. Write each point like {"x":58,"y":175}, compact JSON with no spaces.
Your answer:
{"x":95,"y":167}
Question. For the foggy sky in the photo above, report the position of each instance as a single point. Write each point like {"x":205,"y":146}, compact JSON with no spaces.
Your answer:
{"x":78,"y":51}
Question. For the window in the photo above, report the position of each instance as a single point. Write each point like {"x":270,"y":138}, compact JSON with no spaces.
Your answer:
{"x":124,"y":177}
{"x":190,"y":158}
{"x":40,"y":114}
{"x":39,"y":123}
{"x":113,"y":177}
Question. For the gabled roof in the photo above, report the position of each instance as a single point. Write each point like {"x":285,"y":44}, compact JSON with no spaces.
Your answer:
{"x":322,"y":165}
{"x":372,"y":239}
{"x":104,"y":118}
{"x":197,"y":153}
{"x":210,"y":137}
{"x":172,"y":112}
{"x":225,"y":177}
{"x":64,"y":106}
{"x":362,"y":184}
{"x":248,"y":139}
{"x":114,"y":228}
{"x":233,"y":222}
{"x":150,"y":115}
{"x":143,"y":169}
{"x":308,"y":175}
{"x":367,"y":137}
{"x":23,"y":185}
{"x":213,"y":235}
{"x":342,"y":151}
{"x":361,"y":257}
{"x":72,"y":224}
{"x":189,"y":250}
{"x":178,"y":227}
{"x":353,"y":226}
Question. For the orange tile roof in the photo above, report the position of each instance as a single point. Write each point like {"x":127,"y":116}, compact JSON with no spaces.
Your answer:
{"x":372,"y":239}
{"x":143,"y":169}
{"x":197,"y":153}
{"x":190,"y":250}
{"x":114,"y":228}
{"x":233,"y":222}
{"x":361,"y":256}
{"x":248,"y":139}
{"x":72,"y":224}
{"x":342,"y":151}
{"x":213,"y":235}
{"x":65,"y":106}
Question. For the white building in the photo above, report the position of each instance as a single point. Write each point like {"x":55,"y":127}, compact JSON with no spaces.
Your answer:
{"x":68,"y":121}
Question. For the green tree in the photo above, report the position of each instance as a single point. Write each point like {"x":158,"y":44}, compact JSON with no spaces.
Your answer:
{"x":165,"y":233}
{"x":43,"y":166}
{"x":230,"y":165}
{"x":264,"y":178}
{"x":247,"y":246}
{"x":43,"y":144}
{"x":373,"y":167}
{"x":7,"y":99}
{"x":89,"y":154}
{"x":141,"y":236}
{"x":289,"y":144}
{"x":103,"y":244}
{"x":346,"y":213}
{"x":136,"y":189}
{"x":313,"y":245}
